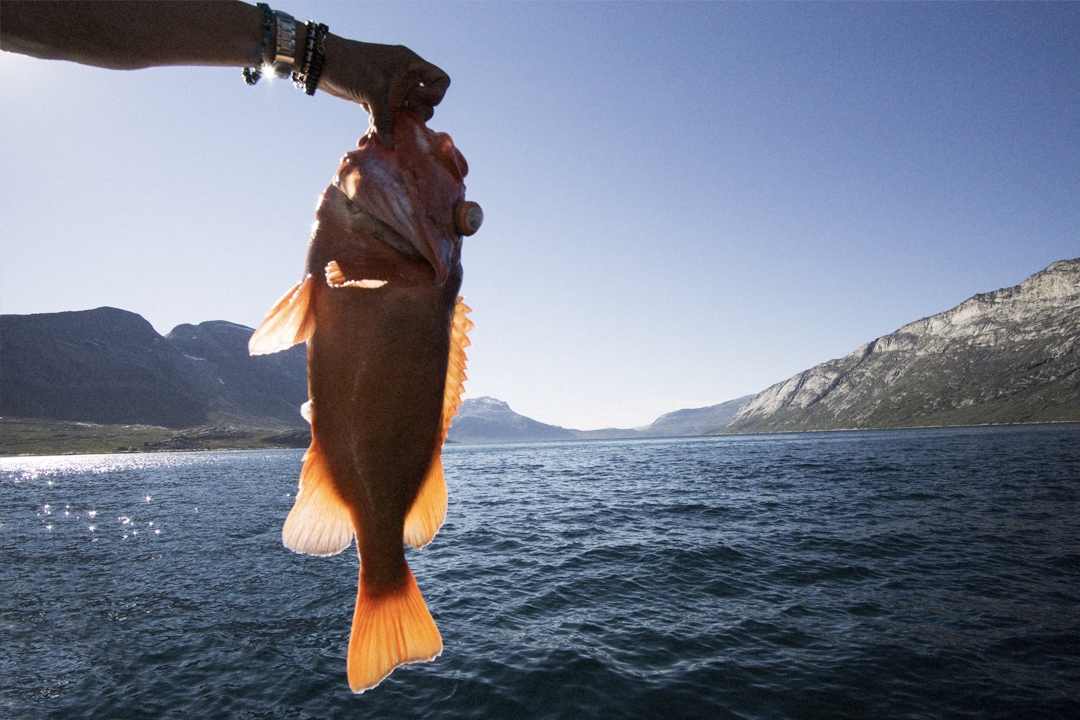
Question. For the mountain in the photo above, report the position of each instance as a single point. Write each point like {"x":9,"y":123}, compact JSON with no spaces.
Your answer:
{"x":104,"y":379}
{"x":110,"y":366}
{"x":486,"y":419}
{"x":697,"y":421}
{"x":1011,"y":355}
{"x":104,"y":365}
{"x":264,"y":390}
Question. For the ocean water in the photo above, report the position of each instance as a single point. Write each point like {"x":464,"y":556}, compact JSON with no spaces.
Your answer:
{"x":929,"y":573}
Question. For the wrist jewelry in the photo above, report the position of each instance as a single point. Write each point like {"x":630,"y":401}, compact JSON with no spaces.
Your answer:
{"x":285,"y":45}
{"x":277,"y":48}
{"x":307,"y":77}
{"x":252,"y":74}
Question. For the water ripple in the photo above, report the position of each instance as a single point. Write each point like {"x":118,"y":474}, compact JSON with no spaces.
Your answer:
{"x":920,"y":573}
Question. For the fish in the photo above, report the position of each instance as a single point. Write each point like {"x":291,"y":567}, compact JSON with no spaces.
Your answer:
{"x":386,"y":333}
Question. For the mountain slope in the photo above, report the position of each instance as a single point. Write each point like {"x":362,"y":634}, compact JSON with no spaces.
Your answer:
{"x":110,"y":366}
{"x":103,"y":365}
{"x":486,"y":419}
{"x":697,"y":421}
{"x":265,"y":389}
{"x":1011,"y":355}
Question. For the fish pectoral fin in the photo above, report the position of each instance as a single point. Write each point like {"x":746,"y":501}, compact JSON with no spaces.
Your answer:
{"x":389,"y":630}
{"x":336,"y":278}
{"x":428,"y":511}
{"x":320,"y":522}
{"x":290,"y":321}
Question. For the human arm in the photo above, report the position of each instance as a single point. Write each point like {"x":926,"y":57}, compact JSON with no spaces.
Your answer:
{"x":135,"y":35}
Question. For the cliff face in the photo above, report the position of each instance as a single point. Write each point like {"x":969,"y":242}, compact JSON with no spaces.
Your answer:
{"x":1012,"y":355}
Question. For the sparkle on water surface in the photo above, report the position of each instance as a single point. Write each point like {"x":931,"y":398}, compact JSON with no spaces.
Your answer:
{"x":49,"y":472}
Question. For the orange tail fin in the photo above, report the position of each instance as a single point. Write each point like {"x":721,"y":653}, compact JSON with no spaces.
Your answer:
{"x":388,"y":631}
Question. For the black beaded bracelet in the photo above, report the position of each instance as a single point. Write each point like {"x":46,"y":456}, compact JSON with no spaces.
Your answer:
{"x":307,"y":77}
{"x":252,"y":74}
{"x":300,"y":73}
{"x":318,"y":60}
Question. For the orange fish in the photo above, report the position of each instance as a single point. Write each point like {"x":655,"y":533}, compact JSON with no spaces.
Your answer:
{"x":386,"y":334}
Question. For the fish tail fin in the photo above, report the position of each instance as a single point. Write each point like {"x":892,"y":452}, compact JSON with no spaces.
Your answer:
{"x":389,"y":629}
{"x":288,"y":322}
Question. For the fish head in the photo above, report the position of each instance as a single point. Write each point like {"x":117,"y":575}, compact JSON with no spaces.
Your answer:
{"x":414,"y":193}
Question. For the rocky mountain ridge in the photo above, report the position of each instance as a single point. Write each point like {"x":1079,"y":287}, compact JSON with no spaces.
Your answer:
{"x":1010,"y":355}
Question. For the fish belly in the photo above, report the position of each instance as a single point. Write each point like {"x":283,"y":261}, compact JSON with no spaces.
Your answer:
{"x":377,"y":369}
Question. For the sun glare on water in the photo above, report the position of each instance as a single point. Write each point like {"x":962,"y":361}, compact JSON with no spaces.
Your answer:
{"x":55,"y":507}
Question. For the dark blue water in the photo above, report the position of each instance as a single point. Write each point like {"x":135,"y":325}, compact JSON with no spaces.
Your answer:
{"x":891,"y":574}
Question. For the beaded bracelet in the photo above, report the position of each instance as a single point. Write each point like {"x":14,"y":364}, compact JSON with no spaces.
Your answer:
{"x":307,"y":78}
{"x":252,"y":74}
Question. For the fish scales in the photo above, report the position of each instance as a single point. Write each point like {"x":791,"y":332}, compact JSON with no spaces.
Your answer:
{"x":386,"y":331}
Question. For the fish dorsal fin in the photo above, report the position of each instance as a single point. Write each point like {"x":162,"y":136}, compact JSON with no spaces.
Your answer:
{"x":290,"y":321}
{"x":428,"y":510}
{"x":319,"y":522}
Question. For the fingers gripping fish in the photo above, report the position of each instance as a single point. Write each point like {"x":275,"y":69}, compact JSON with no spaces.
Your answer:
{"x":386,"y":334}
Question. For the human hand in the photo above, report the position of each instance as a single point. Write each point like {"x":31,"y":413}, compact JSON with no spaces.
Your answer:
{"x":384,"y":79}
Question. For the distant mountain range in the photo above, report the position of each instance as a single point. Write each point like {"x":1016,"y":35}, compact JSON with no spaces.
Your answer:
{"x":488,"y":419}
{"x":110,"y":366}
{"x":94,"y":379}
{"x":88,"y":380}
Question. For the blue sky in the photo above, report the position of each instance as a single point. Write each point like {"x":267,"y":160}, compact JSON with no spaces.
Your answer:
{"x":684,"y":203}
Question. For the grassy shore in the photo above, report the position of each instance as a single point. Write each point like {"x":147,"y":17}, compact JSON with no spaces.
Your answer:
{"x":53,"y":437}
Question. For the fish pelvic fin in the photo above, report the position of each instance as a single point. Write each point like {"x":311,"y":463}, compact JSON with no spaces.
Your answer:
{"x":320,"y":522}
{"x":290,"y":321}
{"x":389,"y":629}
{"x":428,"y":511}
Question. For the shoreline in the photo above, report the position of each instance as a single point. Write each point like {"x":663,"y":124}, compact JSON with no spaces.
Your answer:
{"x":255,"y":439}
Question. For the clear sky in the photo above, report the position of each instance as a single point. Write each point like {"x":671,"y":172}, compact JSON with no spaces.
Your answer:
{"x":684,"y":203}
